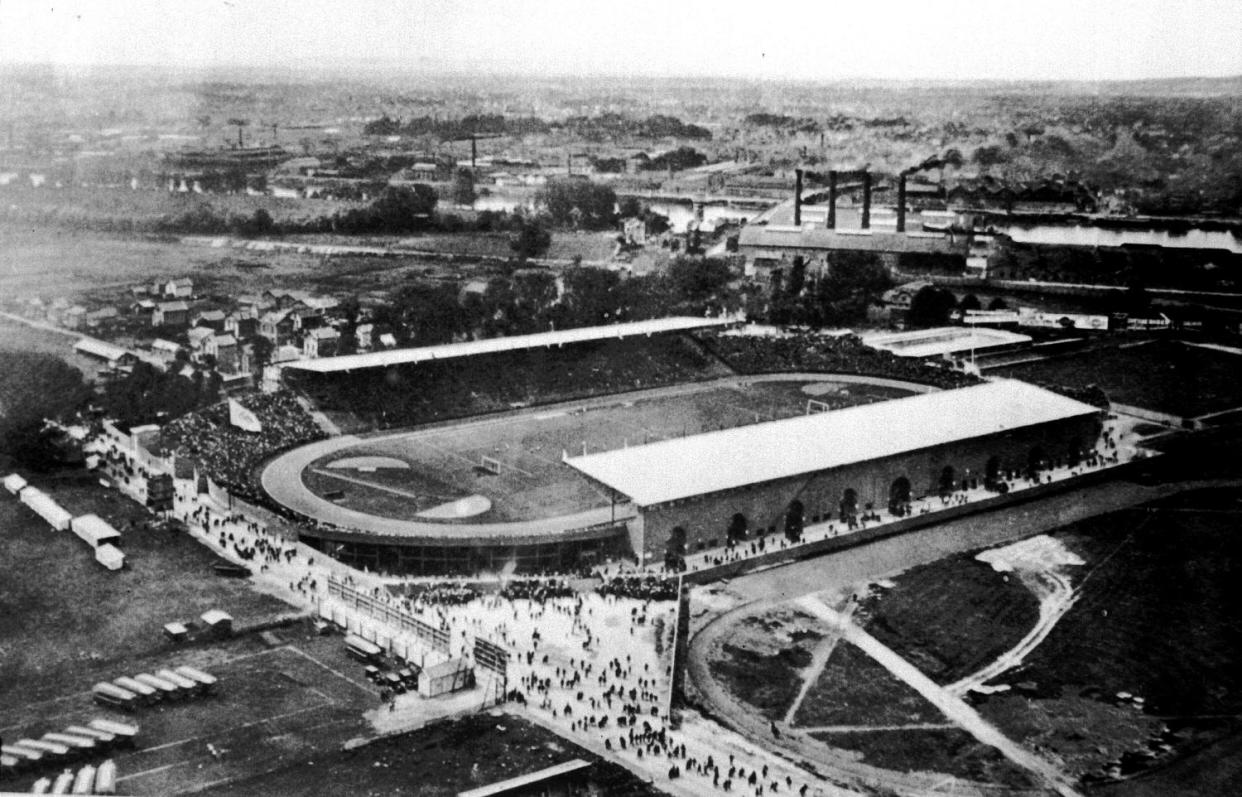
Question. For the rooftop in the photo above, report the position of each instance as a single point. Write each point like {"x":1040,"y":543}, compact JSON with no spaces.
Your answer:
{"x":872,"y":240}
{"x":494,"y":345}
{"x":725,"y":460}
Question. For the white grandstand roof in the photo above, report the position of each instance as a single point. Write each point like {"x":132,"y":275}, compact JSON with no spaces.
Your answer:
{"x":493,"y":345}
{"x":717,"y":461}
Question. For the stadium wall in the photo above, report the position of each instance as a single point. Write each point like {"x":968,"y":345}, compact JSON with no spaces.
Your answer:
{"x":706,"y":520}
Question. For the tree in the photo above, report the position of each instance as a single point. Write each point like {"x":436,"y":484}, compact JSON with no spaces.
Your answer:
{"x":696,"y":279}
{"x":969,"y":302}
{"x":579,"y":202}
{"x":401,"y":208}
{"x":463,"y":187}
{"x":998,"y":304}
{"x":530,"y":240}
{"x":930,"y":307}
{"x":34,"y":387}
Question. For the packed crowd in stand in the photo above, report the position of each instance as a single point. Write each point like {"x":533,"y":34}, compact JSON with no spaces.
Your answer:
{"x":535,"y":589}
{"x":647,"y":588}
{"x":488,"y":383}
{"x":448,"y":593}
{"x":847,"y":354}
{"x":229,"y":454}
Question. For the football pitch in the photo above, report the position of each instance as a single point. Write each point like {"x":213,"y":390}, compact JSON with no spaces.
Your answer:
{"x":515,"y":462}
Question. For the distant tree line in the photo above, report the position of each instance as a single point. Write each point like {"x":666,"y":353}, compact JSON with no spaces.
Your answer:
{"x":592,"y":128}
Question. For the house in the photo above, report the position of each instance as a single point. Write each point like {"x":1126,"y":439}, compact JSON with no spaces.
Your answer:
{"x":241,"y":325}
{"x":96,"y":317}
{"x":277,"y":326}
{"x":283,"y":298}
{"x":305,"y":316}
{"x":209,"y":318}
{"x":173,"y":314}
{"x":177,"y":289}
{"x":252,"y":305}
{"x":286,"y":353}
{"x":198,"y":337}
{"x":143,"y":308}
{"x":113,"y":356}
{"x":388,"y":341}
{"x":165,"y":350}
{"x":321,"y":342}
{"x":362,"y":336}
{"x":73,"y":317}
{"x":226,"y":351}
{"x":635,"y":231}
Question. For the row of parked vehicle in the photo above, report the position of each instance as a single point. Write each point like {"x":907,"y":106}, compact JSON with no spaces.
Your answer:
{"x":143,"y":689}
{"x":397,"y":681}
{"x":87,"y":780}
{"x":75,"y":741}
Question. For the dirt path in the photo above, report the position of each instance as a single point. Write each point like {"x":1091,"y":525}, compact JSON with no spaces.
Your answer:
{"x":1056,"y":597}
{"x":950,"y":705}
{"x":819,"y":660}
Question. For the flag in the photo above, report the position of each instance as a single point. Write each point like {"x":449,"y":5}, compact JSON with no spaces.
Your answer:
{"x":243,"y":418}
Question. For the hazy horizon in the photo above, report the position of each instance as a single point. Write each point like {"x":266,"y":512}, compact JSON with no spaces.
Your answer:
{"x":949,"y":41}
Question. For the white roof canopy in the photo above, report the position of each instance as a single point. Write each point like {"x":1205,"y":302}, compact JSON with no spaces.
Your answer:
{"x":707,"y":463}
{"x":493,"y":345}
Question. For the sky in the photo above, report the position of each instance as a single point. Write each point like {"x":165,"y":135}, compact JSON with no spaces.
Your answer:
{"x":772,"y":39}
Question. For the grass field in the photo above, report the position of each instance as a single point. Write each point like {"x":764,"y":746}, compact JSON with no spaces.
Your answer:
{"x":948,"y":750}
{"x":855,"y":690}
{"x":950,"y":633}
{"x":439,"y":761}
{"x":761,"y":663}
{"x":533,"y":482}
{"x":65,"y":617}
{"x":1166,"y":376}
{"x":1155,"y":617}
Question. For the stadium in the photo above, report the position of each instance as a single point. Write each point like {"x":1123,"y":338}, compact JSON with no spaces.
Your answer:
{"x":646,"y":440}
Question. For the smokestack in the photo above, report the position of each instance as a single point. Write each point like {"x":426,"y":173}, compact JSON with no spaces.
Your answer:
{"x":474,"y":150}
{"x":797,"y":197}
{"x":832,"y":200}
{"x":901,"y":203}
{"x":866,"y":214}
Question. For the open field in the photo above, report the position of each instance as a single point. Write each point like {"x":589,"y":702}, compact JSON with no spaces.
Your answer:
{"x":1166,"y":376}
{"x":855,"y":690}
{"x":1155,"y":619}
{"x":66,"y":618}
{"x":441,"y":759}
{"x":533,"y":482}
{"x":948,"y":750}
{"x":103,"y":266}
{"x":950,"y":633}
{"x":760,"y":664}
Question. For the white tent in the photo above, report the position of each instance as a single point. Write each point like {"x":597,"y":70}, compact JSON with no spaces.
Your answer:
{"x":14,"y":483}
{"x":94,"y":530}
{"x":46,"y":508}
{"x":110,"y":556}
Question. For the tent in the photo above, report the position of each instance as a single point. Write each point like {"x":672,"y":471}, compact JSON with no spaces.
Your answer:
{"x":46,"y":508}
{"x":94,"y":530}
{"x":110,"y":556}
{"x":14,"y":483}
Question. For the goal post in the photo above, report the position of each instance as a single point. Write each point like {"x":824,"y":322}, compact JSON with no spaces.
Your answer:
{"x":815,"y":405}
{"x":490,"y":464}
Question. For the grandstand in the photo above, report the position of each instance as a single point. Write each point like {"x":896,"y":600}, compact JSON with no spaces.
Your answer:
{"x":416,"y":386}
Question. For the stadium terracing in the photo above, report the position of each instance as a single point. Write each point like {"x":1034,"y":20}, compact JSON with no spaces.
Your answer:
{"x":658,"y":498}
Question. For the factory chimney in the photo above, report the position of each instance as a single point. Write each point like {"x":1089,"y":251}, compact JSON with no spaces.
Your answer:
{"x":901,"y":203}
{"x":474,"y":151}
{"x":832,"y":200}
{"x":866,"y":211}
{"x":797,"y":197}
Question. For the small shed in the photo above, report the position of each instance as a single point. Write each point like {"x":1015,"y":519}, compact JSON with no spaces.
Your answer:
{"x":441,"y":679}
{"x":110,"y":556}
{"x":177,"y":632}
{"x":46,"y":508}
{"x":94,"y":530}
{"x":217,"y":622}
{"x":14,"y":483}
